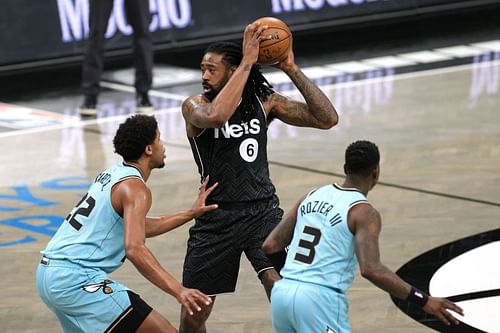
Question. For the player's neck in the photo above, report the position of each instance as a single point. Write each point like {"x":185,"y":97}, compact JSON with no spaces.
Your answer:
{"x":145,"y":172}
{"x":359,"y":184}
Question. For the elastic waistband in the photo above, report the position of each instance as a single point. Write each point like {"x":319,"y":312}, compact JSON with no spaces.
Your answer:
{"x":337,"y":290}
{"x":57,"y":262}
{"x":233,"y":205}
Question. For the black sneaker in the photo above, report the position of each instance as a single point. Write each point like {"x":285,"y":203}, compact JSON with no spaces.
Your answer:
{"x":89,"y":106}
{"x":144,"y":104}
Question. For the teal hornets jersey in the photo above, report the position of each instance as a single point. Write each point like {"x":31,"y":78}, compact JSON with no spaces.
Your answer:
{"x":322,"y":249}
{"x":92,"y":234}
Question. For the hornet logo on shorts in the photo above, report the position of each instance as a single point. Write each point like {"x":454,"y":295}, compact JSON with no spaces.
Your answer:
{"x":92,"y":288}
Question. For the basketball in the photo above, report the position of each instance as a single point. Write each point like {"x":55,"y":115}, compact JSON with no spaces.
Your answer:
{"x":274,"y":50}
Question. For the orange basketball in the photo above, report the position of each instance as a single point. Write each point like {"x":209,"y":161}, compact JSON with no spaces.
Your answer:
{"x":274,"y":50}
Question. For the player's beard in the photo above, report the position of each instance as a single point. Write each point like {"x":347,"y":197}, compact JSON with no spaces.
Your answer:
{"x":161,"y":164}
{"x":214,"y":89}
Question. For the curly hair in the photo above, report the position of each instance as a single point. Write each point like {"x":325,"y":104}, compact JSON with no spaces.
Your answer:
{"x":256,"y":83}
{"x":134,"y":135}
{"x":361,"y":157}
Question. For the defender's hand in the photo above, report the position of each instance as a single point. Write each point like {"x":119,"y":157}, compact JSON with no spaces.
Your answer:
{"x":193,"y":299}
{"x":199,"y":207}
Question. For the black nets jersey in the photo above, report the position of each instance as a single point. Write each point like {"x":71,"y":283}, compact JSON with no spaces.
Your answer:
{"x":235,"y":155}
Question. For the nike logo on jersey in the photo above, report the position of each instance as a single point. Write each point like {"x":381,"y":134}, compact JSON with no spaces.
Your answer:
{"x":329,"y":330}
{"x":237,"y":131}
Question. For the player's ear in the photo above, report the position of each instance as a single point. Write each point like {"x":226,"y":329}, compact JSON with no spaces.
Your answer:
{"x":376,"y":174}
{"x":148,"y":150}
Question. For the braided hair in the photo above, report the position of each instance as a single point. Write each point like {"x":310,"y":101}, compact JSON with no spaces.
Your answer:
{"x":361,"y":158}
{"x":256,"y":83}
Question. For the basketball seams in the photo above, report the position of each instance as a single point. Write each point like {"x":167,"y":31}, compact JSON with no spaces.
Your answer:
{"x":274,"y":41}
{"x":285,"y":49}
{"x":274,"y":50}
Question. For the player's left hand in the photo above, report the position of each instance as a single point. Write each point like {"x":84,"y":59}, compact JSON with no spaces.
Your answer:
{"x":439,"y":308}
{"x":288,"y":64}
{"x":199,"y":208}
{"x":193,"y":300}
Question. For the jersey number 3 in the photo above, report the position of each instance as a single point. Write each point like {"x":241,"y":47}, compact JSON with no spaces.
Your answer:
{"x":308,"y":245}
{"x":84,"y":211}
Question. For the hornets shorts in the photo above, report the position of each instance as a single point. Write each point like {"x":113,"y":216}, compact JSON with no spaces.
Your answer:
{"x":86,"y":300}
{"x":308,"y":308}
{"x":218,"y":238}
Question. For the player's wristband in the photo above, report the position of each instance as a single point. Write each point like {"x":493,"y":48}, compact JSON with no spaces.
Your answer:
{"x":277,"y":259}
{"x":417,"y":297}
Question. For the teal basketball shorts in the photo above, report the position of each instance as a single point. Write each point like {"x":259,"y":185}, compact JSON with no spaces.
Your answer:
{"x":87,"y":300}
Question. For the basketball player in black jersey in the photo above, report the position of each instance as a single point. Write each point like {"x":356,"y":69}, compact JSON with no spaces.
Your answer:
{"x":227,"y":130}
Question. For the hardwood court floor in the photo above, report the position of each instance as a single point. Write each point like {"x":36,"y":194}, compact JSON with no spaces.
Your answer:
{"x":438,"y":131}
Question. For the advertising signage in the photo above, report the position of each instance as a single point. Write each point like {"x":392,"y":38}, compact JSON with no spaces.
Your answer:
{"x":48,"y":32}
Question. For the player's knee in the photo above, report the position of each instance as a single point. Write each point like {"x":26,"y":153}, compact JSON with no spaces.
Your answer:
{"x":193,"y":323}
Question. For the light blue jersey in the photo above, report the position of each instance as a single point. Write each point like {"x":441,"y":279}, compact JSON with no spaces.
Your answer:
{"x":72,"y":275}
{"x":322,"y":248}
{"x":92,"y":234}
{"x":320,"y":266}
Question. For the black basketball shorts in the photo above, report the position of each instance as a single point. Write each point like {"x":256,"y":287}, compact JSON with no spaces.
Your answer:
{"x":217,"y":240}
{"x":132,"y":317}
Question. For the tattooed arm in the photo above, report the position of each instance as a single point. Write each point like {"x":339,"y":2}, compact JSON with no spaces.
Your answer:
{"x":317,"y":111}
{"x":225,"y":82}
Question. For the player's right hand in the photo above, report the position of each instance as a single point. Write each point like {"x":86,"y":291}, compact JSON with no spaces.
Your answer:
{"x":193,"y":300}
{"x":251,"y":41}
{"x":439,"y":307}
